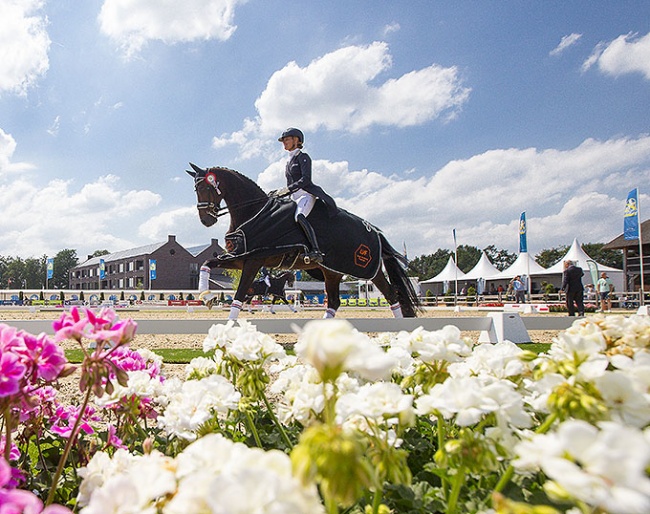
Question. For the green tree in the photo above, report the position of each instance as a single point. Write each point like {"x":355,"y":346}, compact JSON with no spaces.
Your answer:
{"x":546,"y":258}
{"x":501,"y":259}
{"x":428,"y":266}
{"x":64,"y":261}
{"x":612,"y":258}
{"x":99,"y":253}
{"x":468,"y":257}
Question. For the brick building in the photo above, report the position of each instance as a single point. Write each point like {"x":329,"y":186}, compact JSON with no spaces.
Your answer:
{"x":158,"y":266}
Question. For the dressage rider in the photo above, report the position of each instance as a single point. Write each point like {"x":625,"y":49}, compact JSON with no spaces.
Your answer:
{"x":303,"y":191}
{"x":266,"y":277}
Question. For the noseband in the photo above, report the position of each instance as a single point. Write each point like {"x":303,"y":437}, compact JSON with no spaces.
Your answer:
{"x":211,"y":208}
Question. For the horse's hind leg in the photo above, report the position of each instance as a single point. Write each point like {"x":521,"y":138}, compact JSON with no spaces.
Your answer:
{"x":389,"y":293}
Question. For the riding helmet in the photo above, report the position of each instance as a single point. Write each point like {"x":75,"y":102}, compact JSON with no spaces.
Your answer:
{"x":293,"y":132}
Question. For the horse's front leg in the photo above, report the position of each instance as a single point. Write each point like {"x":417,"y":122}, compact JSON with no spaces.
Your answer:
{"x":249,"y":271}
{"x":332,"y":288}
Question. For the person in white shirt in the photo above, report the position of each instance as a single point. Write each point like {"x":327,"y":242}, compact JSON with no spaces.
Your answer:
{"x":604,"y":287}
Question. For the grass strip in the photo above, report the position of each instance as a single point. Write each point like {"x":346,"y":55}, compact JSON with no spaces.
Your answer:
{"x":169,"y":355}
{"x":185,"y":355}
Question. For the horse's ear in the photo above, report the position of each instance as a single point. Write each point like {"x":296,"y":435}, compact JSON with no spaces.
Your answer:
{"x":191,"y":173}
{"x":196,"y":168}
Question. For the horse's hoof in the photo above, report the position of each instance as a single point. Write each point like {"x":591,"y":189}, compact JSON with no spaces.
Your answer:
{"x":209,"y":304}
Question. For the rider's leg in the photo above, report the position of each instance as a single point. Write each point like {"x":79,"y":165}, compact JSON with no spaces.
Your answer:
{"x":304,"y":204}
{"x":314,"y":255}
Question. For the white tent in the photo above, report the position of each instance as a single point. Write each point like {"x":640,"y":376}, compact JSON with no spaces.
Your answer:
{"x":483,"y":269}
{"x":523,"y":265}
{"x":579,"y":256}
{"x":449,"y":273}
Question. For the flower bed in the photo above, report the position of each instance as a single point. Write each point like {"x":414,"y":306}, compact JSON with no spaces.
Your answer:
{"x":408,"y":422}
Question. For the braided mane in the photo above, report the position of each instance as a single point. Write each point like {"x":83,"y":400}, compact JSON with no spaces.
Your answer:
{"x":246,"y":181}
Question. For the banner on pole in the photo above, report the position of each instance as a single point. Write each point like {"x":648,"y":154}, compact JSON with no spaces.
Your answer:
{"x":593,"y":271}
{"x":50,"y":268}
{"x":102,"y":269}
{"x":523,"y":245}
{"x":631,"y":216}
{"x":152,"y":269}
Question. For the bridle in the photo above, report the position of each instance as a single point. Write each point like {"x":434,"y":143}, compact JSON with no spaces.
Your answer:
{"x":213,"y":208}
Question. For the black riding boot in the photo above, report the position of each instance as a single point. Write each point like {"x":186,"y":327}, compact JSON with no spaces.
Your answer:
{"x":314,"y":255}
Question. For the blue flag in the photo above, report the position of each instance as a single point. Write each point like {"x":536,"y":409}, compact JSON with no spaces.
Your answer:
{"x":523,"y":246}
{"x":50,"y":268}
{"x":152,"y":269}
{"x":631,"y":216}
{"x":102,"y":269}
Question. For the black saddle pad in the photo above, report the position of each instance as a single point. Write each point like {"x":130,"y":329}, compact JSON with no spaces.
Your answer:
{"x":350,"y":244}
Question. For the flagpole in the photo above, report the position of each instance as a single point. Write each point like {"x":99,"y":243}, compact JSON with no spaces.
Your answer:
{"x":455,"y":269}
{"x":642,"y":295}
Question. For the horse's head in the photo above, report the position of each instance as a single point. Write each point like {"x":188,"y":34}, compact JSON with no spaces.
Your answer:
{"x":208,"y":194}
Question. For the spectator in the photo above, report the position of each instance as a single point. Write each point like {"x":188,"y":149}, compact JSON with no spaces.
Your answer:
{"x":573,"y":288}
{"x":605,"y":287}
{"x":520,"y":289}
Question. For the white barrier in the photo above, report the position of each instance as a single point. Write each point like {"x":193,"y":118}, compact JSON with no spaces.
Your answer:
{"x":494,"y":328}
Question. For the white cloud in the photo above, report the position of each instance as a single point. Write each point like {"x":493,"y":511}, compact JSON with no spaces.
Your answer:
{"x":24,"y":44}
{"x":43,"y":219}
{"x":7,"y":149}
{"x":565,"y":194}
{"x":133,"y":23}
{"x":340,"y":92}
{"x":393,"y":27}
{"x":626,"y":54}
{"x":565,"y":43}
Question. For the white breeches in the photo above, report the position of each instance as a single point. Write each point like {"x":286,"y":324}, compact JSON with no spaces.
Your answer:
{"x":304,"y":203}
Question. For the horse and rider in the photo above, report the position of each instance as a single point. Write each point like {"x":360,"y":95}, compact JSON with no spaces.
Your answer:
{"x":270,"y":286}
{"x":261,"y":236}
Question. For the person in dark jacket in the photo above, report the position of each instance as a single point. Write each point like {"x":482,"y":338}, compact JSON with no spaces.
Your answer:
{"x":573,"y":289}
{"x":302,"y":190}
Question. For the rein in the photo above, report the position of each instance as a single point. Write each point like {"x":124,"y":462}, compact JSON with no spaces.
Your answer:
{"x":213,"y":209}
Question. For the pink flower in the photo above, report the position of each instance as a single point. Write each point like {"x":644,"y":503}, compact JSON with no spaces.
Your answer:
{"x":11,"y":373}
{"x":79,"y":323}
{"x":66,"y":416}
{"x":16,"y":501}
{"x":9,"y":338}
{"x":120,"y":333}
{"x":44,"y":355}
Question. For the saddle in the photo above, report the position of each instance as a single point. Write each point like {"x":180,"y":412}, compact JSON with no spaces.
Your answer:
{"x":350,"y":244}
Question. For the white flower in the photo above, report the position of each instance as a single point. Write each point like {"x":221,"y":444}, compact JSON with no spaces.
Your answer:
{"x":140,"y":383}
{"x":445,"y":344}
{"x":219,"y":336}
{"x":625,"y":402}
{"x":381,"y":403}
{"x":462,"y":397}
{"x":194,"y":403}
{"x":582,"y":344}
{"x":130,"y":484}
{"x":333,"y":346}
{"x":499,"y":360}
{"x":201,"y":367}
{"x":603,"y":467}
{"x":219,"y":476}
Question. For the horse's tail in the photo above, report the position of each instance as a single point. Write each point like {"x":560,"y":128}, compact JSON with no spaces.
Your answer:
{"x":395,"y":264}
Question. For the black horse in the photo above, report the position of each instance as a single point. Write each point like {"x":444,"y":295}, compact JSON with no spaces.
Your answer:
{"x":275,"y":291}
{"x":245,"y":200}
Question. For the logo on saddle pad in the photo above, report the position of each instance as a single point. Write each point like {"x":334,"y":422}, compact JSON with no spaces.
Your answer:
{"x":362,"y":256}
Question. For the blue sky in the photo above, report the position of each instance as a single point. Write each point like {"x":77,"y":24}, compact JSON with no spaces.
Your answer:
{"x":420,"y":116}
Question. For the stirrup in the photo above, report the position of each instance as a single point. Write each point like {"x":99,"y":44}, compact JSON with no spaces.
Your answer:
{"x":313,"y":257}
